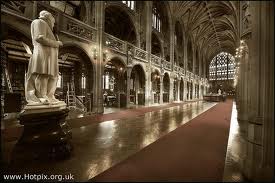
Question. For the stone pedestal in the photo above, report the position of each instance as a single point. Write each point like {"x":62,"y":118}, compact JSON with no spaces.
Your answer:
{"x":46,"y":134}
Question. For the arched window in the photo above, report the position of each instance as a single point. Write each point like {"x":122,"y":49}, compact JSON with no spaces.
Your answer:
{"x":130,"y":4}
{"x":156,"y":23}
{"x":83,"y":81}
{"x":222,"y":67}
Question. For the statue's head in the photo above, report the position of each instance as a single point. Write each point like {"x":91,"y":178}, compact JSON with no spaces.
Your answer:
{"x":48,"y":16}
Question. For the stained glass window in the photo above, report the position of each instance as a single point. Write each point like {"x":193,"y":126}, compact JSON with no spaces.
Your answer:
{"x":83,"y":81}
{"x":130,"y":4}
{"x":58,"y":85}
{"x":222,"y":67}
{"x":156,"y":23}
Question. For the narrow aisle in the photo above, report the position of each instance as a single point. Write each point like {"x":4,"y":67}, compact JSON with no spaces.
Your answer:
{"x":193,"y":152}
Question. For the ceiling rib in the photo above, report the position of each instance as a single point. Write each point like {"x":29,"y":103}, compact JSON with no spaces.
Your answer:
{"x":207,"y":9}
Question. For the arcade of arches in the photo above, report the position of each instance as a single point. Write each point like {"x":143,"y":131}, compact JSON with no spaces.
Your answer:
{"x":130,"y":54}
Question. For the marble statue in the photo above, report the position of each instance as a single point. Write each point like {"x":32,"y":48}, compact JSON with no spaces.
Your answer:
{"x":219,"y":92}
{"x":42,"y":75}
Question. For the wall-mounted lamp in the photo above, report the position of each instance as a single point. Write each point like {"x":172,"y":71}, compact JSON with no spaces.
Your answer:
{"x":240,"y":50}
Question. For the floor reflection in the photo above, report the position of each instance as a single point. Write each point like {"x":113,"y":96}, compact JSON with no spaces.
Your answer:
{"x":99,"y":146}
{"x":234,"y":153}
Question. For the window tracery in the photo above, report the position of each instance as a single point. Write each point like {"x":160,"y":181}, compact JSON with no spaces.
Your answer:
{"x":222,"y":67}
{"x":130,"y":4}
{"x":156,"y":23}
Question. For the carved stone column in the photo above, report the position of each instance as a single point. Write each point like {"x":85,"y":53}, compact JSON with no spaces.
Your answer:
{"x":268,"y":112}
{"x":259,"y":161}
{"x":161,"y":89}
{"x":194,"y":60}
{"x":148,"y":85}
{"x":184,"y":90}
{"x":193,"y":91}
{"x":171,"y":87}
{"x":128,"y":70}
{"x":172,"y":44}
{"x":149,"y":98}
{"x":99,"y":66}
{"x":185,"y":55}
{"x":178,"y":90}
{"x":243,"y":100}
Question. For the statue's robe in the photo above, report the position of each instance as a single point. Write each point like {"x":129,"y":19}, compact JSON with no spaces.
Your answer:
{"x":43,"y":62}
{"x":44,"y":59}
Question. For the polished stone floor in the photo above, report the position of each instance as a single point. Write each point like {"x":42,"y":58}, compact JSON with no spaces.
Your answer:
{"x":100,"y":146}
{"x":235,"y":151}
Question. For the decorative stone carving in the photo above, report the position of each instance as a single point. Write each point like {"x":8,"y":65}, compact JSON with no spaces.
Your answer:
{"x":79,"y":30}
{"x":130,"y":55}
{"x":141,"y":54}
{"x":155,"y":60}
{"x":114,"y":44}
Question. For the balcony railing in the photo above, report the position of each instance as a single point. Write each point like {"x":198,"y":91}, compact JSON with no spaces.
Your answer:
{"x":74,"y":27}
{"x":179,"y":70}
{"x":114,"y":43}
{"x":139,"y":54}
{"x":155,"y":60}
{"x":167,"y":65}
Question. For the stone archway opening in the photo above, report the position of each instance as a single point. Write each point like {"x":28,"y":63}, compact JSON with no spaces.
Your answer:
{"x":189,"y":94}
{"x":119,"y":24}
{"x":175,"y":89}
{"x":137,"y":86}
{"x":166,"y":88}
{"x":114,"y":84}
{"x":75,"y":80}
{"x":155,"y":79}
{"x":191,"y":91}
{"x":181,"y":89}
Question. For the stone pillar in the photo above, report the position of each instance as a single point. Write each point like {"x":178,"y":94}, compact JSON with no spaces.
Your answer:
{"x":128,"y":70}
{"x":259,"y":161}
{"x":193,"y":92}
{"x":172,"y":43}
{"x":171,"y":87}
{"x":99,"y":66}
{"x":161,"y":89}
{"x":34,"y":10}
{"x":243,"y":100}
{"x":148,"y":86}
{"x":89,"y":12}
{"x":185,"y":56}
{"x":184,"y":90}
{"x":178,"y":90}
{"x":194,"y":60}
{"x":148,"y":89}
{"x":268,"y":107}
{"x":200,"y":76}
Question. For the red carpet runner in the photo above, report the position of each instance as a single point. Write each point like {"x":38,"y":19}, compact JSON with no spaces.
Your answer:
{"x":195,"y":151}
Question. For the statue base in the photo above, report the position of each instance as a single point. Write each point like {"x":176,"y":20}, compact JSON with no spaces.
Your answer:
{"x":46,"y":133}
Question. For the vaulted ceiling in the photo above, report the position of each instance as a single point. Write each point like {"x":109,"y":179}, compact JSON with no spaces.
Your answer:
{"x":212,"y":25}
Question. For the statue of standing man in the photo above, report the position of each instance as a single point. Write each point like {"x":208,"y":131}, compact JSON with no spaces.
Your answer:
{"x":43,"y":69}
